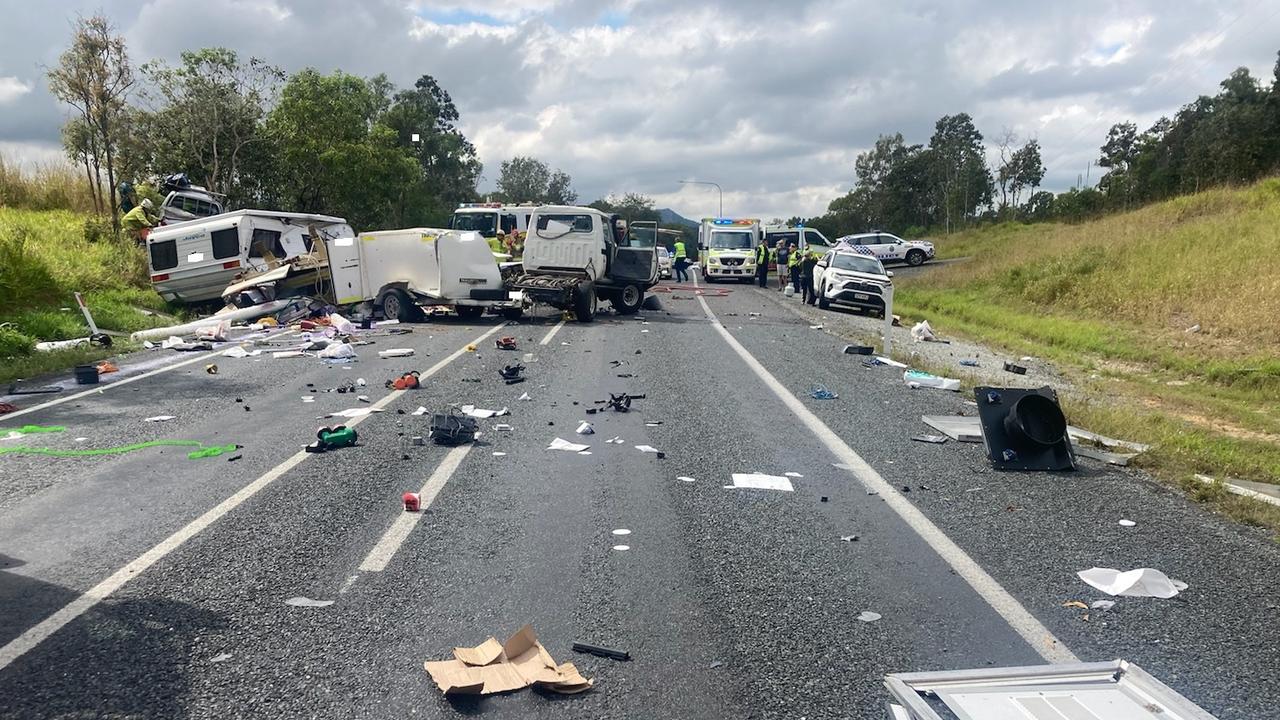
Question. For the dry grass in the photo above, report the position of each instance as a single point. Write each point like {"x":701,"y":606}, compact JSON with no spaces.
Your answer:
{"x":50,"y":186}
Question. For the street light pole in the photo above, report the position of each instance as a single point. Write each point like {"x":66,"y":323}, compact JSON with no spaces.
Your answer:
{"x":715,"y":185}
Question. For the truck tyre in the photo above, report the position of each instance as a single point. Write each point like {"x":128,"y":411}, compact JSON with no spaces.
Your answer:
{"x":396,"y":305}
{"x":512,"y":313}
{"x":469,"y":312}
{"x":915,"y":258}
{"x":584,"y":302}
{"x":627,"y":301}
{"x":823,"y":302}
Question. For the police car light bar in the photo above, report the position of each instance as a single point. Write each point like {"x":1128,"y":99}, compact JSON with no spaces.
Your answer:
{"x":730,"y":221}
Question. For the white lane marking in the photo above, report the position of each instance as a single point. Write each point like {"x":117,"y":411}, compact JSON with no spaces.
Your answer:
{"x":1019,"y":618}
{"x":394,"y":537}
{"x":552,"y":332}
{"x":103,"y":388}
{"x":38,"y":633}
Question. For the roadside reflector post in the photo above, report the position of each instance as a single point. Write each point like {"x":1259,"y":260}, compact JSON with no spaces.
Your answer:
{"x":888,"y":319}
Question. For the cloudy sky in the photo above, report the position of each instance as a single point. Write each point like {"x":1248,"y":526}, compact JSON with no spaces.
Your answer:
{"x":773,"y":100}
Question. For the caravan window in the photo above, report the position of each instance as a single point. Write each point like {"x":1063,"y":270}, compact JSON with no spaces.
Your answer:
{"x":226,"y":242}
{"x":164,"y":255}
{"x":264,"y":242}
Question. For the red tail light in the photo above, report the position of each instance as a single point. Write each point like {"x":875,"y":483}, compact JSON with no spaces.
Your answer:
{"x":159,"y":278}
{"x":230,"y":265}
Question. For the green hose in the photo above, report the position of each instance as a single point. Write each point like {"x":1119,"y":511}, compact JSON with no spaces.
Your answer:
{"x":203,"y":452}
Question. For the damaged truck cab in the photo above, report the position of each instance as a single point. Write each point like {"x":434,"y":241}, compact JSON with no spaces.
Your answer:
{"x":576,"y":256}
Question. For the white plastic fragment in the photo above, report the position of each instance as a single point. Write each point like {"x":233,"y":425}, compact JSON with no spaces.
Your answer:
{"x":498,"y":454}
{"x":1142,"y":582}
{"x":793,"y":475}
{"x":561,"y":444}
{"x":622,"y":531}
{"x":916,"y":379}
{"x":1127,"y":523}
{"x":868,"y":616}
{"x":686,"y":478}
{"x":220,"y":657}
{"x":395,"y":352}
{"x":621,"y":548}
{"x":420,"y":411}
{"x":307,"y":602}
{"x":337,"y":350}
{"x":1102,"y":604}
{"x":160,"y":418}
{"x":525,"y":397}
{"x":286,"y":354}
{"x":585,"y":428}
{"x":760,"y":481}
{"x":647,"y":448}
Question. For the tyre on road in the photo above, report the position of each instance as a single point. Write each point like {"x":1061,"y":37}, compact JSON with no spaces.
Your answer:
{"x":627,"y":301}
{"x":469,"y":312}
{"x":823,"y":302}
{"x":915,"y":258}
{"x":396,"y":305}
{"x":584,"y":302}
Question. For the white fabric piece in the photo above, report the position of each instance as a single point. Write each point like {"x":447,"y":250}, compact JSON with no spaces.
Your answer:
{"x":338,"y":350}
{"x":341,"y":324}
{"x":760,"y":481}
{"x":1143,"y":582}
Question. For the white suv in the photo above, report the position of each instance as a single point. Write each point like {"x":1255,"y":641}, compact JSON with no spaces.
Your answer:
{"x":850,"y":277}
{"x":891,"y":248}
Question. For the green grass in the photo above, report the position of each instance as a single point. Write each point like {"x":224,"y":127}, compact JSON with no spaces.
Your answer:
{"x":47,"y":256}
{"x":1109,"y":301}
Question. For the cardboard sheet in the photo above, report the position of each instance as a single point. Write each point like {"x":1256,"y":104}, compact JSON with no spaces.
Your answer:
{"x":490,"y":668}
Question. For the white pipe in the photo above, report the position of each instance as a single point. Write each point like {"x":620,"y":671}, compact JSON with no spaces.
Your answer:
{"x":249,"y":313}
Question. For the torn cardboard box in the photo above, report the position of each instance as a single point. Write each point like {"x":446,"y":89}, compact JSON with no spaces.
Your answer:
{"x":492,"y":668}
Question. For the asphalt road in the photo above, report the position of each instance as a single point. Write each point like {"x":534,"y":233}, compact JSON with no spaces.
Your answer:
{"x":153,"y":585}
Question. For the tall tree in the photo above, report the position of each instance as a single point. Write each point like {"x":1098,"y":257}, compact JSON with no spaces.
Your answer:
{"x":207,"y":116}
{"x":960,"y":172}
{"x":528,"y":179}
{"x":632,"y":206}
{"x":1006,"y":144}
{"x":94,"y":76}
{"x":78,"y":141}
{"x":424,"y":121}
{"x":1026,"y":170}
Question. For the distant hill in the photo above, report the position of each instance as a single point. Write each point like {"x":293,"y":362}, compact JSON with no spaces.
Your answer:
{"x":667,"y":216}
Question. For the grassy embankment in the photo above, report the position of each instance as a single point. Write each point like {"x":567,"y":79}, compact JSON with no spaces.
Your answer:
{"x":1111,"y":301}
{"x":50,"y":247}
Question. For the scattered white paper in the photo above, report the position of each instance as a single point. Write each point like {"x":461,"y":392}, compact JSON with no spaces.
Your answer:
{"x":614,"y":441}
{"x":559,"y":444}
{"x":420,"y":411}
{"x":395,"y":352}
{"x":647,"y":448}
{"x":353,"y":412}
{"x":585,"y":429}
{"x":239,"y":352}
{"x":868,"y":616}
{"x":482,"y":413}
{"x":1127,"y":523}
{"x":622,"y":531}
{"x":160,"y":418}
{"x":525,"y":397}
{"x":307,"y":602}
{"x":760,"y":481}
{"x":686,"y":478}
{"x":1143,"y":582}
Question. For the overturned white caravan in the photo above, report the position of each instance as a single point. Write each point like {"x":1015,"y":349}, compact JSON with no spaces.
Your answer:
{"x":194,"y":261}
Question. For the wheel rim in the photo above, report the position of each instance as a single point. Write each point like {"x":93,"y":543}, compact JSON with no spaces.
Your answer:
{"x":391,"y":306}
{"x":630,"y":295}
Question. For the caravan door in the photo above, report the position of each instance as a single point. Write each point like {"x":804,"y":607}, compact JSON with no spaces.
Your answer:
{"x":349,"y":281}
{"x":635,"y":254}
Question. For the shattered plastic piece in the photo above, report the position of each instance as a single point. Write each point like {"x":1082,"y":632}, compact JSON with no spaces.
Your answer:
{"x":239,"y":352}
{"x":221,"y":657}
{"x":649,"y":449}
{"x":524,"y":397}
{"x":818,"y":392}
{"x":498,"y":454}
{"x":286,"y":354}
{"x":760,"y":481}
{"x":395,"y":353}
{"x":622,"y":531}
{"x":483,"y":414}
{"x":1127,"y":523}
{"x":1102,"y":604}
{"x":585,"y":428}
{"x":858,"y":349}
{"x":337,"y":350}
{"x":420,"y":411}
{"x":582,"y":647}
{"x":935,"y":439}
{"x":1015,"y":369}
{"x":160,"y":418}
{"x":559,"y":444}
{"x":621,"y":548}
{"x":969,"y":363}
{"x":502,"y":427}
{"x":815,"y":327}
{"x":686,"y":478}
{"x":307,"y":602}
{"x":849,"y":538}
{"x":867,"y":616}
{"x":922,"y":332}
{"x":1143,"y":582}
{"x":449,"y":429}
{"x":917,"y":379}
{"x":890,"y":362}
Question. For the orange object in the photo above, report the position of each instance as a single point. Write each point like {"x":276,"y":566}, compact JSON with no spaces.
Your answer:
{"x":105,"y":367}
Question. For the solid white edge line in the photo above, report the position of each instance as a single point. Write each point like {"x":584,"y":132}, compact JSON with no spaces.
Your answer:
{"x":1018,"y":617}
{"x":552,"y":332}
{"x":96,"y":389}
{"x":380,"y":556}
{"x":38,"y":633}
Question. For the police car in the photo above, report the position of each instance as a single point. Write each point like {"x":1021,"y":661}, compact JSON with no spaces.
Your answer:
{"x":851,"y":277}
{"x":889,"y":248}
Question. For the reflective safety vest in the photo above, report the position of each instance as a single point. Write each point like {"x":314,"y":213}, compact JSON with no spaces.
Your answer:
{"x":762,"y":254}
{"x":680,"y":251}
{"x":496,"y":245}
{"x":794,"y":260}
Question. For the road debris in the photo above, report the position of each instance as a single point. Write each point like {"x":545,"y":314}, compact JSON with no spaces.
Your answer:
{"x":395,"y":353}
{"x":353,"y":412}
{"x":922,"y":332}
{"x":482,"y":413}
{"x":524,"y":397}
{"x":1142,"y":582}
{"x":1015,"y":369}
{"x":1127,"y":523}
{"x":301,"y":601}
{"x":890,"y":362}
{"x":450,"y":429}
{"x":585,"y":428}
{"x":818,"y":392}
{"x":6,"y":408}
{"x":917,"y":379}
{"x":160,"y":418}
{"x":560,"y":444}
{"x":513,"y":374}
{"x":106,"y":367}
{"x":651,"y":449}
{"x":407,"y":381}
{"x":858,"y":350}
{"x":506,"y":343}
{"x":969,"y":363}
{"x":619,"y":403}
{"x":86,"y":374}
{"x":333,"y":438}
{"x":935,"y":439}
{"x":621,"y":548}
{"x":211,"y":369}
{"x":491,"y":668}
{"x":1075,"y":604}
{"x":1103,"y":605}
{"x":238,"y":352}
{"x":581,"y":647}
{"x":411,"y":501}
{"x":1024,"y":429}
{"x":849,"y":538}
{"x":760,"y":481}
{"x":867,"y":616}
{"x":686,"y":478}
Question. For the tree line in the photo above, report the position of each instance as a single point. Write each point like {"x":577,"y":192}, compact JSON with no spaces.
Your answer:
{"x":1230,"y":137}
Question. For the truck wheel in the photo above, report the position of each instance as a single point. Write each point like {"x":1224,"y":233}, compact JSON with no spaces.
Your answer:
{"x":469,"y":312}
{"x":915,"y":258}
{"x":584,"y":302}
{"x":628,"y":300}
{"x":396,"y":305}
{"x":513,"y":313}
{"x":823,"y":302}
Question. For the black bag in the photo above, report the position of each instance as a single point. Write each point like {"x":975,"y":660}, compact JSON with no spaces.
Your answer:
{"x":450,"y":429}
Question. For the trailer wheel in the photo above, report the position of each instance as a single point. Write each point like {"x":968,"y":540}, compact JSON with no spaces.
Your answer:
{"x":513,"y":313}
{"x":396,"y":305}
{"x":628,"y":300}
{"x":469,"y":312}
{"x":584,"y":302}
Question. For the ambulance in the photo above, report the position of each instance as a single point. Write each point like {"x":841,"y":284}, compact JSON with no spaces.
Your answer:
{"x":727,"y":248}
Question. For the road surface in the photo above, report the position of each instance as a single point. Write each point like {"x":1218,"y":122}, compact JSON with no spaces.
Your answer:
{"x":152,"y":585}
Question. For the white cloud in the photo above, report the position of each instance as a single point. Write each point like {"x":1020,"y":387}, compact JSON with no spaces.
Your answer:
{"x":11,"y":88}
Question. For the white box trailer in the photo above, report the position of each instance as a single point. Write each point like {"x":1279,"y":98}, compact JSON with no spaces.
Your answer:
{"x":194,"y":261}
{"x":400,"y":271}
